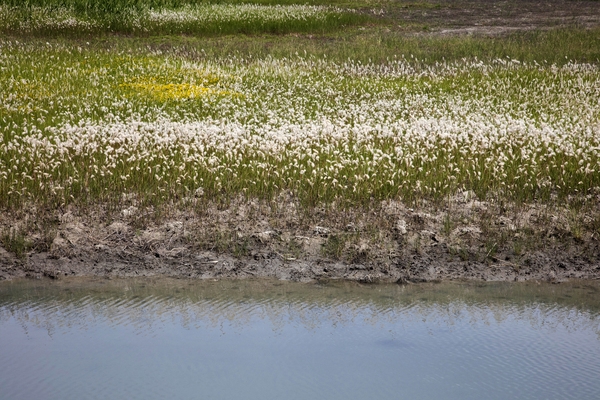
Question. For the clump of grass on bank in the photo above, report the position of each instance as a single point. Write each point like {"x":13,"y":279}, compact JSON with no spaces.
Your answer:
{"x":169,"y":17}
{"x":14,"y":241}
{"x":77,"y":128}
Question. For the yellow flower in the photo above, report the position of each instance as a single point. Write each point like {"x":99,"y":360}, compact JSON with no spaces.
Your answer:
{"x":174,"y":91}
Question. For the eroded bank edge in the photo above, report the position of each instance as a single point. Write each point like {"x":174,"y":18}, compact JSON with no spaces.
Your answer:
{"x":462,"y":238}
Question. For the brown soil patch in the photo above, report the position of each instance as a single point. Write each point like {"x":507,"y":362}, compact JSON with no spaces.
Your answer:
{"x":492,"y":17}
{"x":385,"y":242}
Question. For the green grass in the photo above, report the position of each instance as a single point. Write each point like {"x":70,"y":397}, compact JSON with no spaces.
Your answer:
{"x":115,"y":6}
{"x":15,"y":242}
{"x":372,"y":45}
{"x":169,"y":17}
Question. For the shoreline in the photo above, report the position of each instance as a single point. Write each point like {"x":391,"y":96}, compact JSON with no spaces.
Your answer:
{"x":465,"y":239}
{"x":501,"y":100}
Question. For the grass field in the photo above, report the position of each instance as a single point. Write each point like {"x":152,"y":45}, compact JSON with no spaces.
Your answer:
{"x":76,"y":17}
{"x":330,"y":102}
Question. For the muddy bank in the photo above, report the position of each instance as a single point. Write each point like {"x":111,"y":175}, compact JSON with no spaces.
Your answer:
{"x":462,"y":239}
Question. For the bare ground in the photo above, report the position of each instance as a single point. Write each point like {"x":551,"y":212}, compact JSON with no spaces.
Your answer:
{"x":463,"y":239}
{"x":490,"y":17}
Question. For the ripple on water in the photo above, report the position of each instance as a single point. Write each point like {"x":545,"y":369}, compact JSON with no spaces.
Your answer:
{"x":176,"y":340}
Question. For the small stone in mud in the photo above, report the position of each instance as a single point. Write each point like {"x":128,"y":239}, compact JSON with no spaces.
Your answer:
{"x":320,"y":230}
{"x":129,"y":212}
{"x":401,"y":226}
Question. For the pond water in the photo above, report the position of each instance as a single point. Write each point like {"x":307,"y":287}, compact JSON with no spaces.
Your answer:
{"x":175,"y":339}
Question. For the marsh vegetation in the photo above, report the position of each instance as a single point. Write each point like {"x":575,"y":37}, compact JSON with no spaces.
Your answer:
{"x":162,"y":105}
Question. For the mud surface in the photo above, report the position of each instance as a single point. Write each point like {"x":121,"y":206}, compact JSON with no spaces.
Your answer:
{"x":486,"y":17}
{"x":384,"y":242}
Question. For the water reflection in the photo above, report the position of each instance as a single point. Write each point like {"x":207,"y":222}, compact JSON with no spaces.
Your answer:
{"x":146,"y":304}
{"x":157,"y":339}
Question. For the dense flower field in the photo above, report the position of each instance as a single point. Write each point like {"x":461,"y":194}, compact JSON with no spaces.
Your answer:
{"x":79,"y":125}
{"x":198,"y":19}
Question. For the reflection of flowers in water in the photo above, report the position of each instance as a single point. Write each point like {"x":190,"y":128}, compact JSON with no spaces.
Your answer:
{"x":145,"y":312}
